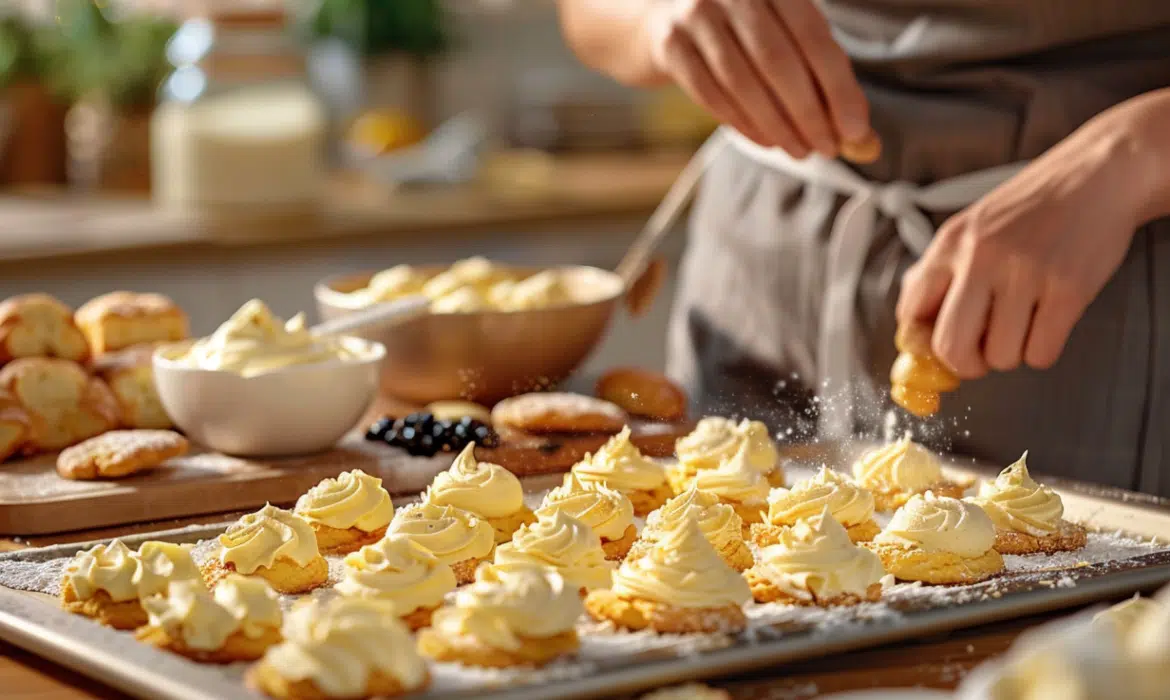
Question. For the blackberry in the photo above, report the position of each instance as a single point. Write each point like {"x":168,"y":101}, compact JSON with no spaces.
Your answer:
{"x":421,"y":435}
{"x":379,"y":428}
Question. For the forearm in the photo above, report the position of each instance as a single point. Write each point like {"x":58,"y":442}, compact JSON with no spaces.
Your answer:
{"x":607,"y":35}
{"x":1145,"y":133}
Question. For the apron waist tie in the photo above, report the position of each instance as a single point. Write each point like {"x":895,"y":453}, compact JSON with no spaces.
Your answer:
{"x":839,"y":355}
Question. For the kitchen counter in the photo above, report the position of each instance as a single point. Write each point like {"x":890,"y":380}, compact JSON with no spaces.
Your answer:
{"x":51,"y":224}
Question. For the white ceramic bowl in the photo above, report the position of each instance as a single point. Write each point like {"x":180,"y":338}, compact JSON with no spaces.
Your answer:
{"x":292,"y":411}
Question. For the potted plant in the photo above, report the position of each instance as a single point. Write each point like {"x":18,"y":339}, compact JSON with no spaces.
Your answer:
{"x":32,"y":133}
{"x":391,"y":44}
{"x":109,"y":69}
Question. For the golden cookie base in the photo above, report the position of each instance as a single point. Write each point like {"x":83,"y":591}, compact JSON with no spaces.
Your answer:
{"x":237,"y":647}
{"x":736,"y":553}
{"x":616,"y":550}
{"x":419,"y":618}
{"x":639,"y":614}
{"x":285,"y":575}
{"x":940,"y":568}
{"x":1068,"y":538}
{"x":332,"y":540}
{"x":533,"y":651}
{"x":507,"y":525}
{"x":121,"y":615}
{"x":262,"y":678}
{"x":765,"y":591}
{"x":465,"y":570}
{"x":645,"y":502}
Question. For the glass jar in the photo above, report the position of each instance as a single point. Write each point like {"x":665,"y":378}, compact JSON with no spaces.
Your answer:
{"x":237,"y":129}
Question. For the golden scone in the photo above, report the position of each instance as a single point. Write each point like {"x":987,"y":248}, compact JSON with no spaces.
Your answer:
{"x":203,"y":627}
{"x":64,"y":403}
{"x":276,"y":545}
{"x":716,"y":440}
{"x":120,"y":319}
{"x":1028,"y":517}
{"x":346,"y":648}
{"x":815,"y":563}
{"x":347,"y":512}
{"x":939,"y":540}
{"x":456,"y":537}
{"x":484,"y":489}
{"x":521,"y":617}
{"x":119,"y":453}
{"x":718,"y":522}
{"x":604,"y":510}
{"x":643,"y":393}
{"x":401,"y":572}
{"x":554,"y":412}
{"x":108,"y":582}
{"x":15,"y":425}
{"x":895,"y":472}
{"x":850,"y":505}
{"x":38,"y":325}
{"x":918,"y":377}
{"x":680,"y":586}
{"x":130,"y":375}
{"x":621,"y":466}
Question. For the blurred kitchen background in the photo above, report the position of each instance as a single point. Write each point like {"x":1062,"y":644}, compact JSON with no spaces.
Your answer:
{"x":220,"y":151}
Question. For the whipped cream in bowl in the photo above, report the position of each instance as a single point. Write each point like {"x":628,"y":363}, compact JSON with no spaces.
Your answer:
{"x":261,"y":386}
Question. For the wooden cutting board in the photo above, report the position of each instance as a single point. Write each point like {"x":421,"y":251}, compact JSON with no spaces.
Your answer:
{"x":35,"y":501}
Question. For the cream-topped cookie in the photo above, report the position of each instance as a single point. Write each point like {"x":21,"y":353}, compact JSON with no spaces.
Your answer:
{"x":939,"y":540}
{"x":488,"y":490}
{"x":352,"y":499}
{"x":716,"y":440}
{"x":1121,"y":618}
{"x":398,"y":570}
{"x":718,"y":522}
{"x":620,"y":465}
{"x":848,"y":503}
{"x":737,"y":483}
{"x":814,"y":561}
{"x":161,"y":563}
{"x":111,"y":568}
{"x":682,"y":569}
{"x":455,"y":536}
{"x":189,"y":614}
{"x":345,"y":648}
{"x":525,"y":615}
{"x":252,"y":602}
{"x":259,"y":539}
{"x":608,"y":512}
{"x":560,"y":542}
{"x":1014,"y":501}
{"x":902,"y":465}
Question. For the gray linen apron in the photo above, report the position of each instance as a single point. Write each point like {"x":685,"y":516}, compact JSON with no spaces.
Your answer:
{"x":955,"y":86}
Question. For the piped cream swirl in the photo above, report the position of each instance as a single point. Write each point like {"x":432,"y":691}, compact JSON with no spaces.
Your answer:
{"x":252,"y":602}
{"x":940,"y":525}
{"x":259,"y":539}
{"x":815,"y":558}
{"x":400,"y":571}
{"x":716,"y":440}
{"x":161,"y":563}
{"x":620,"y":465}
{"x":607,"y":511}
{"x":503,"y":608}
{"x":488,"y":490}
{"x":718,"y":522}
{"x":735,"y":480}
{"x":339,"y":645}
{"x":190,"y":613}
{"x":1014,"y":501}
{"x":111,"y":568}
{"x":903,"y":465}
{"x":560,"y":542}
{"x":451,"y":534}
{"x":849,"y":504}
{"x":682,"y":569}
{"x":353,"y":499}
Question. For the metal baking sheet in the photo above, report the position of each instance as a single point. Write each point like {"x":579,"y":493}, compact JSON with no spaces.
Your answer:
{"x":33,"y":621}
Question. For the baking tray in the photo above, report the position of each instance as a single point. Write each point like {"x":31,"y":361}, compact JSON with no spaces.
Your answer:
{"x":778,"y":635}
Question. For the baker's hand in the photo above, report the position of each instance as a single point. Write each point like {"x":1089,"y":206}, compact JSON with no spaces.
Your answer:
{"x":1006,"y":280}
{"x":769,"y":68}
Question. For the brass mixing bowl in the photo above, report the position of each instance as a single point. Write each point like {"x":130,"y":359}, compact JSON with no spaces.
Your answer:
{"x":485,"y":356}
